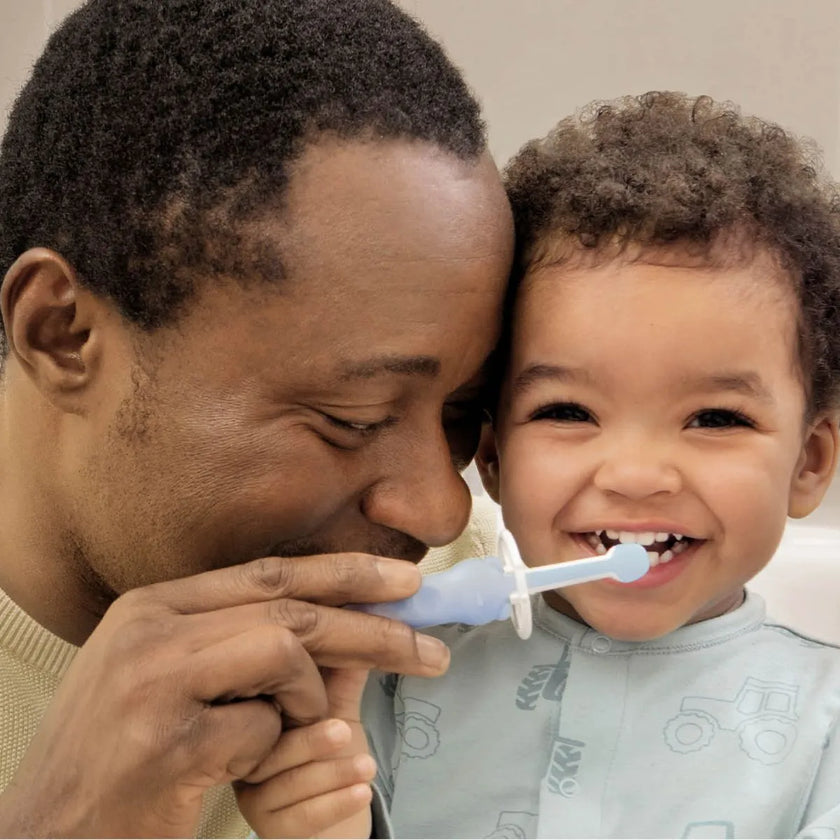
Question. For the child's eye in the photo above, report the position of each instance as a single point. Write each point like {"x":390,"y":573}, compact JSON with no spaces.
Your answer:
{"x":566,"y":412}
{"x":719,"y":418}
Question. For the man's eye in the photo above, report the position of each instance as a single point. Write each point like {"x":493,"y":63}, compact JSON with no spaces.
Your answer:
{"x":566,"y":412}
{"x":719,"y":418}
{"x":358,"y":427}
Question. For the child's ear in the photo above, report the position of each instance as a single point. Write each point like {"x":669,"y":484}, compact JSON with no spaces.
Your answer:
{"x":487,"y":461}
{"x":815,"y":468}
{"x":49,"y":321}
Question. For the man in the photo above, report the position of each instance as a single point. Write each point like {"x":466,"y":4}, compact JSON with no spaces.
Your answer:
{"x":254,"y":257}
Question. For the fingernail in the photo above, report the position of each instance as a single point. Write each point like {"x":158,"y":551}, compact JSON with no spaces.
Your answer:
{"x":337,"y":731}
{"x":364,"y":765}
{"x":361,"y":792}
{"x":399,"y":574}
{"x":433,"y":653}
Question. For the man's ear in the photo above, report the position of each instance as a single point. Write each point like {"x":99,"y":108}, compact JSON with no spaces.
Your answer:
{"x":487,"y":461}
{"x":815,"y":468}
{"x":49,"y":319}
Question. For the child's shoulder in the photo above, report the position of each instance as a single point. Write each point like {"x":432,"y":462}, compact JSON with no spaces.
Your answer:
{"x":779,"y":633}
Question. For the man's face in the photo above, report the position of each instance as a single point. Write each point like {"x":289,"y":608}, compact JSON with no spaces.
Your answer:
{"x":655,"y":404}
{"x":329,"y":412}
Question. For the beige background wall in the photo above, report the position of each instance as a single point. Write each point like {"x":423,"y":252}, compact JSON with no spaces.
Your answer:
{"x":24,"y":27}
{"x":533,"y":61}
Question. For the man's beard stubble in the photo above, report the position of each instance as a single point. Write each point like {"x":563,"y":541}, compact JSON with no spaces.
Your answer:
{"x":387,"y":544}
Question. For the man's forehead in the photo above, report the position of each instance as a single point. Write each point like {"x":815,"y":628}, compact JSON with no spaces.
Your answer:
{"x":338,"y":191}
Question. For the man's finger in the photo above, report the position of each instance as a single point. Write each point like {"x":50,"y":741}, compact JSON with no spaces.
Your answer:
{"x":268,"y":660}
{"x":340,"y":638}
{"x":332,"y":579}
{"x":334,"y":637}
{"x":229,"y":741}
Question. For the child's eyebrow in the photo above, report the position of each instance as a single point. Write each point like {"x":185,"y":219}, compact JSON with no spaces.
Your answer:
{"x":539,"y":372}
{"x":741,"y":382}
{"x":746,"y":383}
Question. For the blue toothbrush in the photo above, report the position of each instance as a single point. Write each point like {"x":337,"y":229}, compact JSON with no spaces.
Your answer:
{"x":484,"y":589}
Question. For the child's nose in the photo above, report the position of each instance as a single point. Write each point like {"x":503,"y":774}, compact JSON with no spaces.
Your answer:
{"x":637,"y":468}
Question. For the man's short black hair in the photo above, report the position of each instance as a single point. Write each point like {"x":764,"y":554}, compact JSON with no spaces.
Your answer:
{"x":150,"y":128}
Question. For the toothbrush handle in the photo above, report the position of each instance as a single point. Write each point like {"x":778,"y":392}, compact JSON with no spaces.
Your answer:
{"x":474,"y":591}
{"x":542,"y":578}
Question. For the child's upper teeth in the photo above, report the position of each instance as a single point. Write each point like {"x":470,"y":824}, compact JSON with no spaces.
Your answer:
{"x":641,"y":537}
{"x":645,"y":538}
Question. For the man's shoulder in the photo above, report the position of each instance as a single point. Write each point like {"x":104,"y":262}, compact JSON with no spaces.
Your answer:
{"x":478,"y":539}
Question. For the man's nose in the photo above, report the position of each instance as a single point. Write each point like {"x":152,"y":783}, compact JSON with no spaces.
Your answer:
{"x":637,"y":466}
{"x":421,"y":494}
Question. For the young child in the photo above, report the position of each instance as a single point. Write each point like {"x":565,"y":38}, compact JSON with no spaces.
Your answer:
{"x":671,"y":377}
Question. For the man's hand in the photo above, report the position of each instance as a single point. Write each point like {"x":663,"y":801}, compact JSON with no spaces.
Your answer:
{"x":188,"y":684}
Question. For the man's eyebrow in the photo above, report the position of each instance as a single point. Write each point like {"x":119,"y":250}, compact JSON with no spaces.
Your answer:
{"x":427,"y":366}
{"x":540,"y":372}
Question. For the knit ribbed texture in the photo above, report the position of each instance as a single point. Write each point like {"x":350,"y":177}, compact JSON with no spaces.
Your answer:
{"x":478,"y":540}
{"x":32,"y":662}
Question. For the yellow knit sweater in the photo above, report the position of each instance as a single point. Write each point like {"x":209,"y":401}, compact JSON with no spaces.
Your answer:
{"x":33,"y":661}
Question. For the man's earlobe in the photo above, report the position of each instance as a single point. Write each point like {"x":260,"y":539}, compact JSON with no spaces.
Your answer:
{"x":48,"y":329}
{"x":487,"y":461}
{"x":816,"y":466}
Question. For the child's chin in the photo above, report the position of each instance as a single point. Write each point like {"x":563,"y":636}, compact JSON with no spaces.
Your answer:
{"x":622,"y":622}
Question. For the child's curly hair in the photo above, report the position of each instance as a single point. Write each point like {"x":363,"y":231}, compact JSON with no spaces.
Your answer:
{"x":664,"y":169}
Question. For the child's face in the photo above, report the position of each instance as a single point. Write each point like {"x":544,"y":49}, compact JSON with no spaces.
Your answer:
{"x":658,"y":402}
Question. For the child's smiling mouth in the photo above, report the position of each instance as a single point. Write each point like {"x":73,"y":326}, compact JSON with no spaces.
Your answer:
{"x":662,"y":546}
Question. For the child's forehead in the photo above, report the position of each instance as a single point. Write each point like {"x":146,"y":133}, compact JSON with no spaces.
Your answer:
{"x":671,"y":315}
{"x":750,"y":266}
{"x":600,"y":307}
{"x":678,"y":284}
